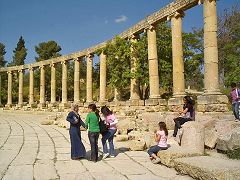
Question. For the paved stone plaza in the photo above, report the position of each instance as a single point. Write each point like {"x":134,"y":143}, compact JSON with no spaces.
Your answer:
{"x":29,"y":150}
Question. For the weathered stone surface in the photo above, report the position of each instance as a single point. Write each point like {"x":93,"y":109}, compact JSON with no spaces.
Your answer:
{"x":173,"y":152}
{"x":126,"y":124}
{"x":121,"y":138}
{"x":229,"y":141}
{"x":47,"y":122}
{"x":137,"y":145}
{"x":205,"y":167}
{"x":193,"y":136}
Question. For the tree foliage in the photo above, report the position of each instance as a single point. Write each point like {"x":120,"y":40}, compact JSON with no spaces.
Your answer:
{"x":20,"y":53}
{"x":2,"y":53}
{"x":228,"y":45}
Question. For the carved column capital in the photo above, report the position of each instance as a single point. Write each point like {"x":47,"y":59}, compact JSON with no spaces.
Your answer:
{"x":77,"y":59}
{"x":20,"y":70}
{"x":89,"y":55}
{"x":41,"y":67}
{"x":53,"y":64}
{"x":9,"y":72}
{"x":64,"y":62}
{"x":176,"y":14}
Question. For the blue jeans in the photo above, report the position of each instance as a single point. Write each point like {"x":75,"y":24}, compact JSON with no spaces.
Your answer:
{"x":93,"y":138}
{"x":155,"y":149}
{"x":108,"y":136}
{"x":235,"y":109}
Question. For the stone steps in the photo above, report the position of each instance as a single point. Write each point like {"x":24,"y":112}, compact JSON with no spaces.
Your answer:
{"x":206,"y":167}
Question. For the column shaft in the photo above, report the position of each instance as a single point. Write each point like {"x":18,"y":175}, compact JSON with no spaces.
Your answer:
{"x":89,"y":78}
{"x":53,"y":83}
{"x":31,"y":86}
{"x":177,"y":51}
{"x":153,"y":63}
{"x":0,"y":90}
{"x":64,"y":82}
{"x":103,"y":72}
{"x":76,"y":80}
{"x":134,"y":84}
{"x":9,"y":102}
{"x":20,"y":92}
{"x":42,"y":85}
{"x":211,"y":81}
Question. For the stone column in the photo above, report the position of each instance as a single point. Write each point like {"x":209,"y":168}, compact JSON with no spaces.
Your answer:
{"x":0,"y":90}
{"x":20,"y":89}
{"x":134,"y":93}
{"x":77,"y":80}
{"x":64,"y":83}
{"x":211,"y":81}
{"x":212,"y":99}
{"x":31,"y":87}
{"x":53,"y":84}
{"x":177,"y":51}
{"x":89,"y":77}
{"x":175,"y":103}
{"x":9,"y":101}
{"x":153,"y":63}
{"x":103,"y":80}
{"x":42,"y":87}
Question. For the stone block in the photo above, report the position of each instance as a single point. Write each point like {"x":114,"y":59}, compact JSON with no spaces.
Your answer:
{"x":193,"y":136}
{"x":151,"y":102}
{"x":120,"y":138}
{"x":137,"y":145}
{"x":173,"y":152}
{"x":47,"y":122}
{"x":206,"y":167}
{"x":229,"y":141}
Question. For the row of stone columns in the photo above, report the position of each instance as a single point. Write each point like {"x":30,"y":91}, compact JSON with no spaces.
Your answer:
{"x":210,"y":64}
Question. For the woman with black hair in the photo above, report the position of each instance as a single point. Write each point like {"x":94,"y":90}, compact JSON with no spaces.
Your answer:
{"x":187,"y":114}
{"x":92,"y":124}
{"x":111,"y":122}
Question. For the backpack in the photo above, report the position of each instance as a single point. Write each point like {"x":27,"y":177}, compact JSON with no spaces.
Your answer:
{"x":103,"y":127}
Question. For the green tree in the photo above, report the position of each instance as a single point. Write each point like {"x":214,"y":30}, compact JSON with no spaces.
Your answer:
{"x":47,"y":50}
{"x":118,"y":64}
{"x":2,"y":53}
{"x":228,"y":46}
{"x":20,"y":53}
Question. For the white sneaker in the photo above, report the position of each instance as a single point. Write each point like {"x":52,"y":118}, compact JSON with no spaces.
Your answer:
{"x":156,"y":161}
{"x":105,"y":156}
{"x":112,"y":156}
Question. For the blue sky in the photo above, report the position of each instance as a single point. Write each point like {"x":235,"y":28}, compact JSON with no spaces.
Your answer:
{"x":79,"y":24}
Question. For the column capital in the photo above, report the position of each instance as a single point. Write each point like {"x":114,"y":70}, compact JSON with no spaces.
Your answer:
{"x":150,"y":27}
{"x":53,"y":64}
{"x":89,"y":55}
{"x":20,"y":70}
{"x":176,"y":14}
{"x":77,"y":59}
{"x":41,"y":66}
{"x":64,"y":62}
{"x":9,"y":72}
{"x":134,"y":37}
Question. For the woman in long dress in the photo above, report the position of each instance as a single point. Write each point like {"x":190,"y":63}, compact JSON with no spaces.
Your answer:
{"x":78,"y":150}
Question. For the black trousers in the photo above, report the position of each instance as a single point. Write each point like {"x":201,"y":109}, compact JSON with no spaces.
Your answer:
{"x":178,"y":122}
{"x":93,"y":138}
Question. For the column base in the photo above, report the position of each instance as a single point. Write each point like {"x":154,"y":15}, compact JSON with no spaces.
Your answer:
{"x":212,"y":103}
{"x":41,"y":105}
{"x":64,"y":105}
{"x":19,"y":105}
{"x":135,"y":102}
{"x":101,"y":103}
{"x":175,"y":104}
{"x":8,"y":106}
{"x":52,"y":104}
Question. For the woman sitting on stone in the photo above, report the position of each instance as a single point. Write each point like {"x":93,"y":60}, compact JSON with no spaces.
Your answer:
{"x":187,"y":114}
{"x":77,"y":148}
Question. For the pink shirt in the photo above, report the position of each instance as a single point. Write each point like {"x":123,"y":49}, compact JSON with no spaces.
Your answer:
{"x":163,"y":139}
{"x":110,"y":119}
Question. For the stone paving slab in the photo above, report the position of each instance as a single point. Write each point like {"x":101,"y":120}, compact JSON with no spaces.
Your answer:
{"x":205,"y":167}
{"x":30,"y":150}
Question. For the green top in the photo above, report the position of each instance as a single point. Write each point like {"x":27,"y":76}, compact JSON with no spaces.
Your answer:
{"x":92,"y":122}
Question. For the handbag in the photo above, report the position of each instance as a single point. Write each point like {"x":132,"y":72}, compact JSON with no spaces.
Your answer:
{"x":103,"y":127}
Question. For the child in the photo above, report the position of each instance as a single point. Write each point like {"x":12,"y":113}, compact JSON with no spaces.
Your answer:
{"x":93,"y":131}
{"x":161,"y":139}
{"x":111,"y":121}
{"x":235,"y":96}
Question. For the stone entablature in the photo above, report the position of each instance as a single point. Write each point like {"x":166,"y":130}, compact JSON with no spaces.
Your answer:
{"x":161,"y":15}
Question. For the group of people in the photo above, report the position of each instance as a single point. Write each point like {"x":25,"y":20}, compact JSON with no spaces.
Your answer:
{"x":92,"y":124}
{"x":93,"y":118}
{"x":185,"y":115}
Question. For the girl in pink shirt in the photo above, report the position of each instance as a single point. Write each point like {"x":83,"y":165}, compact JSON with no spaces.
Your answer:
{"x":111,"y":122}
{"x":161,"y":139}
